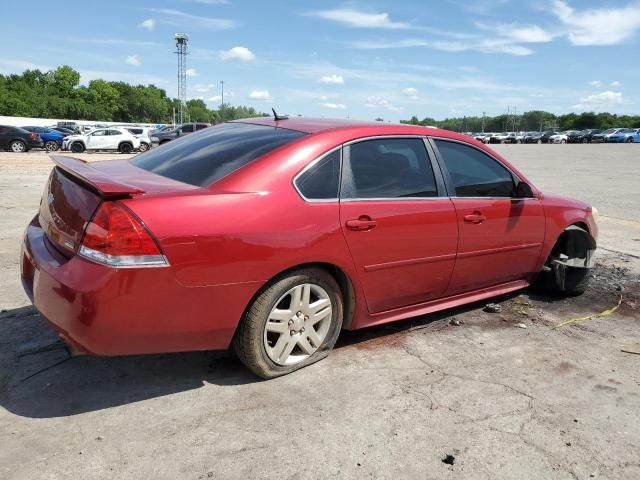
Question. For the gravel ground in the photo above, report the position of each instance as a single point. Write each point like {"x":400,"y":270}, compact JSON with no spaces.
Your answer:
{"x":459,"y":394}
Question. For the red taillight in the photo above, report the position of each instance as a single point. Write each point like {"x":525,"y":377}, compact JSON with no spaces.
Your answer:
{"x":116,"y":238}
{"x":33,"y":136}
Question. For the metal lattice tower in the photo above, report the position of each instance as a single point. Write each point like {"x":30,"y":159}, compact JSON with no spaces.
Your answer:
{"x":182,"y":42}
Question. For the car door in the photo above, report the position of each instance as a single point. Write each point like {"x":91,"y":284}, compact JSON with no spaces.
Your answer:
{"x":399,"y":225}
{"x":500,"y":236}
{"x":97,"y":140}
{"x":113,"y":139}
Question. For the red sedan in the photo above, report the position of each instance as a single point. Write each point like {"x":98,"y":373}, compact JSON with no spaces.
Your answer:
{"x":274,"y":235}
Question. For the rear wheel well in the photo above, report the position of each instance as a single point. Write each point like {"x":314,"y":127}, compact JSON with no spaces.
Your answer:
{"x":345,"y":283}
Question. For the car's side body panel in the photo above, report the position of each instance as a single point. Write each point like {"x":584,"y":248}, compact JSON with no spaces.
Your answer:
{"x":225,"y":242}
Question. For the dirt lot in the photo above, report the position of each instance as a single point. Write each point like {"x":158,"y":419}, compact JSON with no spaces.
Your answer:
{"x":461,"y":394}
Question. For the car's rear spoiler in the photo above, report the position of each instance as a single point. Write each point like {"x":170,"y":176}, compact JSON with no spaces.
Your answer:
{"x":95,"y":179}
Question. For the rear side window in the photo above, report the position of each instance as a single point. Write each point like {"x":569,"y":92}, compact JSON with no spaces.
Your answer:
{"x":474,"y":173}
{"x":321,"y":180}
{"x":389,"y":168}
{"x":186,"y":128}
{"x":208,"y":155}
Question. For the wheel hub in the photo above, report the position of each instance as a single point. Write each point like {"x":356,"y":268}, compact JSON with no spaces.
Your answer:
{"x":298,"y":324}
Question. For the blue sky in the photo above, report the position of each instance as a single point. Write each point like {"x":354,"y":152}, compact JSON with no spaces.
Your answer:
{"x":362,"y":59}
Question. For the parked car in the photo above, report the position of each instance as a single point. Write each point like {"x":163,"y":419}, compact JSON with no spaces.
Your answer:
{"x":624,"y":135}
{"x":487,"y":137}
{"x":603,"y":136}
{"x":520,"y":137}
{"x":63,"y":130}
{"x":163,"y":137}
{"x":18,"y":139}
{"x":69,"y":125}
{"x":538,"y":137}
{"x":576,"y":136}
{"x":52,"y":139}
{"x":590,"y":132}
{"x":143,"y":134}
{"x":531,"y":137}
{"x":149,"y":254}
{"x":558,"y":137}
{"x":480,"y":136}
{"x":506,"y":137}
{"x":102,"y":139}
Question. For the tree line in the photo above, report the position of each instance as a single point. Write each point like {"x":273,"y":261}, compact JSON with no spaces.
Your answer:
{"x":535,"y":120}
{"x":58,"y":94}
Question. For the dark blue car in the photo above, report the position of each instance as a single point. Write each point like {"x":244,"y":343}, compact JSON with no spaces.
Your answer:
{"x":52,"y":139}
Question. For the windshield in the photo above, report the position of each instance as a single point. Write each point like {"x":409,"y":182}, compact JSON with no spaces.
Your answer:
{"x":611,"y":130}
{"x":206,"y":156}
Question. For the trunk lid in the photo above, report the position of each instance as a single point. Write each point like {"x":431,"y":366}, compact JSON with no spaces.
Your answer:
{"x":76,"y":188}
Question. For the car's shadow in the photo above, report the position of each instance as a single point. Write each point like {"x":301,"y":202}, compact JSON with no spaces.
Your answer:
{"x":39,"y":379}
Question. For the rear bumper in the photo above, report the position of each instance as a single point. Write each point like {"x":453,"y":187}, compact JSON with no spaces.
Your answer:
{"x":108,"y":311}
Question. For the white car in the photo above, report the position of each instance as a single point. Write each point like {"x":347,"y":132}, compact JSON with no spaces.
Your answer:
{"x":141,"y":133}
{"x":559,"y":138}
{"x":110,"y":138}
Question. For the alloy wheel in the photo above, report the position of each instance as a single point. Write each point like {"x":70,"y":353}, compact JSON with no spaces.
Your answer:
{"x":298,"y":324}
{"x":17,"y":146}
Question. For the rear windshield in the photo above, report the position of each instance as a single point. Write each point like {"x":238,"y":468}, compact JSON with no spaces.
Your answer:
{"x":206,"y":156}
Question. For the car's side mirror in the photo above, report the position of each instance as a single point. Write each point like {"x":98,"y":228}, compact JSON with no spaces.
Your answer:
{"x":524,"y":190}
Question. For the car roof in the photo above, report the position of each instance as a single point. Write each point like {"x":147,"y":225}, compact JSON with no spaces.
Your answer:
{"x":312,"y":125}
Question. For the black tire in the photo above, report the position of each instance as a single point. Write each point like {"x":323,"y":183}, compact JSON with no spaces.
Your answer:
{"x":51,"y":146}
{"x":125,"y":147}
{"x":585,"y":140}
{"x":77,"y":147}
{"x":539,"y":141}
{"x":248,"y":341}
{"x":18,"y":146}
{"x":144,"y":146}
{"x":629,"y":140}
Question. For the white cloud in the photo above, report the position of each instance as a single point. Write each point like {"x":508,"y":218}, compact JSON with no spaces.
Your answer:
{"x":519,"y":33}
{"x":237,"y":53}
{"x":386,"y":44}
{"x":191,"y":72}
{"x":489,"y":45}
{"x":615,"y":84}
{"x":262,"y":95}
{"x":601,"y":101}
{"x":215,"y":99}
{"x":410,"y":92}
{"x":379,"y":102}
{"x":133,"y":60}
{"x":178,"y":18}
{"x":358,"y":19}
{"x":19,"y":66}
{"x":483,"y":45}
{"x":149,"y":24}
{"x":334,"y":106}
{"x":203,"y":88}
{"x":332,"y":79}
{"x":596,"y":83}
{"x":609,"y":25}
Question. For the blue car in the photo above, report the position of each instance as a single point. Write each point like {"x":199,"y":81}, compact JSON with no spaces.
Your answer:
{"x":625,"y":135}
{"x":52,"y":138}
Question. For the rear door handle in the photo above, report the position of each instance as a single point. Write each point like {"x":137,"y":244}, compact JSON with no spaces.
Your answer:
{"x":475,"y":217}
{"x":363,"y":223}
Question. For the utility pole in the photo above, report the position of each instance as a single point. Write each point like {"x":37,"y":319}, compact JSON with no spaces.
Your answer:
{"x":182,"y":43}
{"x":222,"y":93}
{"x":483,"y":118}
